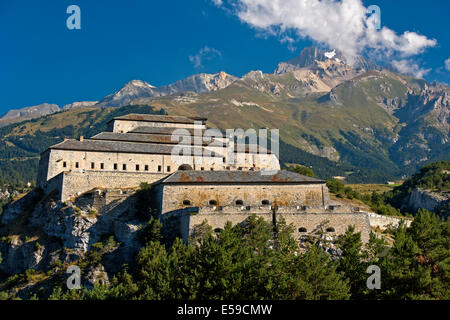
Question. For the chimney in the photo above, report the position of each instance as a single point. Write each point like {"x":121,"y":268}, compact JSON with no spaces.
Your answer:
{"x":81,"y":138}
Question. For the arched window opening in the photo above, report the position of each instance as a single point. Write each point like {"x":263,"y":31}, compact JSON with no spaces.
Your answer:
{"x":265,"y":202}
{"x":330,"y":229}
{"x":185,"y":167}
{"x":239,"y":202}
{"x":186,"y":202}
{"x":212,"y":202}
{"x":302,"y":230}
{"x":218,"y":230}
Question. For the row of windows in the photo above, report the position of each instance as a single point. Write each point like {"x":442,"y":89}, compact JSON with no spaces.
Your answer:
{"x":237,"y":202}
{"x":138,"y":167}
{"x":303,"y":230}
{"x":116,"y":166}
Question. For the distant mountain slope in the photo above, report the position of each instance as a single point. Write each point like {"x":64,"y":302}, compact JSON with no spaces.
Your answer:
{"x":370,"y":126}
{"x":27,"y":113}
{"x":199,"y":83}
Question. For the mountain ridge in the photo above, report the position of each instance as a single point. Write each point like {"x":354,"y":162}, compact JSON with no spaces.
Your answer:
{"x":374,"y":125}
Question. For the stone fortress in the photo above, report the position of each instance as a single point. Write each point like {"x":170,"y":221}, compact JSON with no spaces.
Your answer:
{"x":197,"y":174}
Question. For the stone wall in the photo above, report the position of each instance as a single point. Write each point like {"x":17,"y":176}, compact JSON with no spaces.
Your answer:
{"x":305,"y":222}
{"x":384,"y":222}
{"x":123,"y":126}
{"x":72,"y":184}
{"x":54,"y":161}
{"x":251,"y":195}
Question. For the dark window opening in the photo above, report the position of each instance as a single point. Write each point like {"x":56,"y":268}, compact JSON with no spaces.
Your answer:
{"x":77,"y":165}
{"x":239,"y":202}
{"x":303,"y":230}
{"x":137,"y":167}
{"x":212,"y":202}
{"x":331,"y":229}
{"x":168,"y":168}
{"x":186,"y":202}
{"x":146,"y":167}
{"x":64,"y":164}
{"x":115,"y":166}
{"x":159,"y":168}
{"x":102,"y":166}
{"x":218,"y":230}
{"x":124,"y":167}
{"x":212,"y":169}
{"x":265,"y":202}
{"x":92,"y":165}
{"x":202,"y":169}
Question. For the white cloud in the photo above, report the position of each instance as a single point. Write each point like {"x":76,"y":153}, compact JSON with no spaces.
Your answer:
{"x":206,"y":53}
{"x":447,"y":64}
{"x":410,"y":67}
{"x":342,"y":25}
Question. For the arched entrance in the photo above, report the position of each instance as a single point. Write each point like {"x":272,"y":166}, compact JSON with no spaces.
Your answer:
{"x":185,"y":167}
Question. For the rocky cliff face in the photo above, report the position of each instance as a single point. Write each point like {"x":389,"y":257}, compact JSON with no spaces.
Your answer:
{"x":310,"y":57}
{"x":37,"y":236}
{"x":428,"y":200}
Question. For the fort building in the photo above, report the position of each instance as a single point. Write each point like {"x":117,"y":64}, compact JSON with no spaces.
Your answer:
{"x":197,"y":174}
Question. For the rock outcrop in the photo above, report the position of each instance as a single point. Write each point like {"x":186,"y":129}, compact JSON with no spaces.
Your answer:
{"x":429,"y":200}
{"x":36,"y":236}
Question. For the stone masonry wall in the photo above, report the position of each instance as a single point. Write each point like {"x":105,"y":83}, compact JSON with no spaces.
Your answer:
{"x":71,"y":184}
{"x":123,"y":126}
{"x":58,"y":158}
{"x":251,"y":195}
{"x":309,"y":220}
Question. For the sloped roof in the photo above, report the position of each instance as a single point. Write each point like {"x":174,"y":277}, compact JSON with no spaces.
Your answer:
{"x":149,"y":138}
{"x":158,"y":118}
{"x":239,"y":177}
{"x":123,"y":147}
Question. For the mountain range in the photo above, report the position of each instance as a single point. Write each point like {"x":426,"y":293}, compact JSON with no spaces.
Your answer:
{"x":356,"y":118}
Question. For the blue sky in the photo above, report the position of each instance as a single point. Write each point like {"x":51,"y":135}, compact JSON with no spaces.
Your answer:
{"x":42,"y":60}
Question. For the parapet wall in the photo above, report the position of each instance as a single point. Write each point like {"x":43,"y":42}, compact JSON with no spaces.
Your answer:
{"x":72,"y":184}
{"x":384,"y":222}
{"x":307,"y":222}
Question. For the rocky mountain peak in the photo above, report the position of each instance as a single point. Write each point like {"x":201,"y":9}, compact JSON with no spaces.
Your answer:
{"x":311,"y":57}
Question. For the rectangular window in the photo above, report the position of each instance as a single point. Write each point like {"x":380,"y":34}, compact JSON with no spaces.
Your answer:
{"x":202,"y":168}
{"x":92,"y":165}
{"x":115,"y":166}
{"x":64,"y":164}
{"x":102,"y":166}
{"x":77,"y":164}
{"x":146,"y":167}
{"x":212,"y":169}
{"x":124,"y":167}
{"x":137,"y":167}
{"x":168,"y":168}
{"x":159,"y":168}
